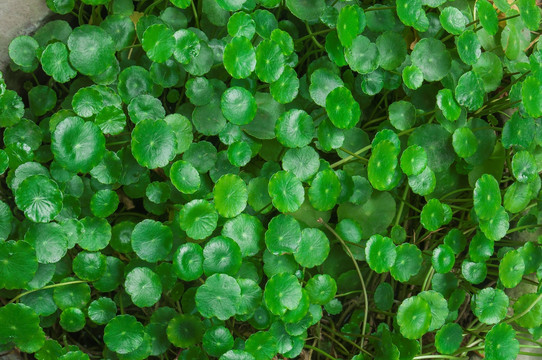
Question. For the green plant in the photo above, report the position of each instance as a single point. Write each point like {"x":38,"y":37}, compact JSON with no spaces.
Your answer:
{"x":259,"y":179}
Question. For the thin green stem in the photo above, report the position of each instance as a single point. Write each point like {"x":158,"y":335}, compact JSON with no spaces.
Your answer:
{"x":46,"y":287}
{"x":524,"y":227}
{"x":195,"y":11}
{"x":322,"y":352}
{"x":428,"y":278}
{"x":529,"y":308}
{"x":314,"y":40}
{"x":364,"y":289}
{"x":349,"y":158}
{"x":341,"y":336}
{"x":361,"y":158}
{"x":319,"y":32}
{"x":379,"y":8}
{"x":401,"y":207}
{"x":438,"y":357}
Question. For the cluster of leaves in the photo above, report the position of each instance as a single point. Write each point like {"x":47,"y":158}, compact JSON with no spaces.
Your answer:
{"x":260,"y":179}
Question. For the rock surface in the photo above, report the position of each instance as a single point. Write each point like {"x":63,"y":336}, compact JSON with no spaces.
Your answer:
{"x":19,"y":17}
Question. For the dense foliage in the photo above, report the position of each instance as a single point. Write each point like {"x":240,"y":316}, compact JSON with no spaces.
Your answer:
{"x":268,"y":179}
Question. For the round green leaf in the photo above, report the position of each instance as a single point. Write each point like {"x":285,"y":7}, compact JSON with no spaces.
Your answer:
{"x":383,"y":296}
{"x":151,"y":240}
{"x":263,"y":345}
{"x":247,"y":231}
{"x":412,"y":77}
{"x":269,"y":61}
{"x":469,"y":91}
{"x":453,"y":20}
{"x":468,"y":47}
{"x":283,"y":234}
{"x":487,"y":197}
{"x":73,"y":295}
{"x":341,"y":107}
{"x":350,"y":23}
{"x":92,"y":50}
{"x":282,"y":293}
{"x":449,"y":338}
{"x":96,"y":235}
{"x":303,"y":162}
{"x":218,"y":297}
{"x":464,"y":142}
{"x":414,"y":317}
{"x":241,"y":24}
{"x":238,"y":105}
{"x":143,"y":286}
{"x":102,"y":310}
{"x":24,"y":330}
{"x":294,"y":128}
{"x":490,"y":305}
{"x":104,"y":203}
{"x":77,"y":145}
{"x":72,"y":320}
{"x":217,"y":340}
{"x":39,"y":197}
{"x":402,"y":115}
{"x":18,"y":264}
{"x":383,"y":172}
{"x":188,"y":262}
{"x":239,"y":57}
{"x":187,"y":46}
{"x":432,"y":58}
{"x":198,"y":218}
{"x":158,"y":42}
{"x":487,"y":16}
{"x":501,"y":343}
{"x":54,"y":61}
{"x":447,"y":104}
{"x":184,"y":177}
{"x":87,"y":102}
{"x":286,"y":191}
{"x":432,"y":216}
{"x":153,"y":143}
{"x":511,"y":269}
{"x":496,"y":227}
{"x":89,"y":265}
{"x":362,"y":55}
{"x":221,"y":255}
{"x":230,"y":195}
{"x":313,"y":248}
{"x":184,"y":330}
{"x":443,"y":259}
{"x":380,"y":253}
{"x":524,"y":167}
{"x":408,"y":262}
{"x":285,"y":89}
{"x":239,"y":153}
{"x":325,"y":190}
{"x":392,"y":49}
{"x":22,"y":51}
{"x":123,"y":334}
{"x":533,"y":316}
{"x":11,"y":108}
{"x":474,"y":272}
{"x":321,"y":289}
{"x":144,"y":107}
{"x":413,"y":160}
{"x":532,"y":98}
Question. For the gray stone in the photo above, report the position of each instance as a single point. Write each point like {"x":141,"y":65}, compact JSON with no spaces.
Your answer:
{"x":19,"y":17}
